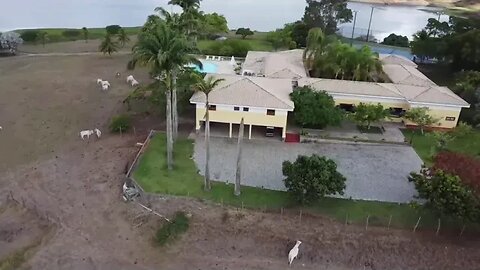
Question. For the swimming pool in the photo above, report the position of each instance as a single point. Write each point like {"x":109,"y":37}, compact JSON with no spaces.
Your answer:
{"x":208,"y":67}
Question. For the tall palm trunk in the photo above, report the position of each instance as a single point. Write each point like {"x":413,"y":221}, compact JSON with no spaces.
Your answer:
{"x":174,"y":105}
{"x":169,"y":126}
{"x":238,"y":173}
{"x":207,"y":148}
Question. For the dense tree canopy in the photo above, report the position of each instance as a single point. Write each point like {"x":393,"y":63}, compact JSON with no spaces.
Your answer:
{"x":311,"y":178}
{"x":29,"y":35}
{"x":280,"y":39}
{"x":455,"y":42}
{"x":326,"y":14}
{"x":298,"y":32}
{"x":326,"y":57}
{"x":244,"y":32}
{"x":446,"y":194}
{"x":113,"y":29}
{"x":396,"y":40}
{"x":468,"y":87}
{"x":212,"y":24}
{"x":315,"y":109}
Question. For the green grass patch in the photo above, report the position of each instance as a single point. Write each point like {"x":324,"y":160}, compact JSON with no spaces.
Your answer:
{"x":16,"y":259}
{"x":184,"y":180}
{"x":173,"y":229}
{"x":468,"y":144}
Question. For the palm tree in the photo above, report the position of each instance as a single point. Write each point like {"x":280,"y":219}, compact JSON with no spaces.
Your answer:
{"x":85,"y":34}
{"x":206,"y":86}
{"x":190,"y":16}
{"x":315,"y":46}
{"x":123,"y":37}
{"x":165,"y":52}
{"x":108,"y":45}
{"x":175,"y":22}
{"x":238,"y":173}
{"x":42,"y":37}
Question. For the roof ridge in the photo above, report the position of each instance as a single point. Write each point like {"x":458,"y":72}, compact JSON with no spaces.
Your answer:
{"x":384,"y":85}
{"x":428,"y":88}
{"x":228,"y":84}
{"x":268,"y":92}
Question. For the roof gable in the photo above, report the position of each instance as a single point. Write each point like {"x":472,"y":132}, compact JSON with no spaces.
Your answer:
{"x":249,"y":91}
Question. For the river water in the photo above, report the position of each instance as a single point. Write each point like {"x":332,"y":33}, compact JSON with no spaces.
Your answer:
{"x":262,"y":15}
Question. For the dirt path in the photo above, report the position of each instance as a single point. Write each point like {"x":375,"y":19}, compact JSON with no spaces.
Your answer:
{"x":73,"y":190}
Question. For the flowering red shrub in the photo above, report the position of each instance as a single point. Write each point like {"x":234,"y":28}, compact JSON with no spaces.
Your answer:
{"x":466,"y":167}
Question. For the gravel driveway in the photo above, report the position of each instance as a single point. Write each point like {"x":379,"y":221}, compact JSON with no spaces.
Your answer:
{"x":373,"y":172}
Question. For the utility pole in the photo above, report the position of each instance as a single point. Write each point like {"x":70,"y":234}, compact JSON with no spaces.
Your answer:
{"x":353,"y":30}
{"x":370,"y":23}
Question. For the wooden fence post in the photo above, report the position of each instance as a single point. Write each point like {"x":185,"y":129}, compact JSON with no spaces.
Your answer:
{"x":416,"y":225}
{"x":366,"y":225}
{"x":438,"y":228}
{"x":300,"y":215}
{"x":346,"y":219}
{"x":389,"y":222}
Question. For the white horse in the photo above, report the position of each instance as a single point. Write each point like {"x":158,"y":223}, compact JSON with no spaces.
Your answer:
{"x":99,"y":81}
{"x":86,"y":133}
{"x":130,"y":78}
{"x":105,"y":85}
{"x":135,"y":83}
{"x":98,"y":133}
{"x":293,"y":252}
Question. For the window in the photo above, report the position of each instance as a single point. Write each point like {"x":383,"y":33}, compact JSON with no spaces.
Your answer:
{"x":397,"y":112}
{"x":270,"y":112}
{"x":212,"y":107}
{"x":449,"y":118}
{"x":347,"y":107}
{"x":245,"y":109}
{"x":236,"y":108}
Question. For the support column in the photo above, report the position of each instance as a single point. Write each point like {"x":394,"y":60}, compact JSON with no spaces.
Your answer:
{"x":230,"y":131}
{"x":198,"y":125}
{"x":284,"y":133}
{"x":250,"y":132}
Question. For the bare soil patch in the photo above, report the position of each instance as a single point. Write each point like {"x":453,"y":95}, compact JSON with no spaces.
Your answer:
{"x":46,"y":101}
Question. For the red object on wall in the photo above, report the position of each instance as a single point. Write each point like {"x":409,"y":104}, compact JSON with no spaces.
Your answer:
{"x":292,"y":138}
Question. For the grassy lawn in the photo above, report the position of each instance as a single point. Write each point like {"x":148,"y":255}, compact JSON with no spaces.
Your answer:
{"x":184,"y":180}
{"x":469,"y":144}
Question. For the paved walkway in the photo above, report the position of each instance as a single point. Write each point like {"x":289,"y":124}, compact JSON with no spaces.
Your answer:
{"x":373,"y":172}
{"x":349,"y":130}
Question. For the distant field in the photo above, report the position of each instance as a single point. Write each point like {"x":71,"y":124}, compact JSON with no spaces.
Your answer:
{"x":55,"y":34}
{"x":257,"y":45}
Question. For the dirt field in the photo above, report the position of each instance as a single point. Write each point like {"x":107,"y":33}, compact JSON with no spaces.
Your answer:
{"x":68,"y":193}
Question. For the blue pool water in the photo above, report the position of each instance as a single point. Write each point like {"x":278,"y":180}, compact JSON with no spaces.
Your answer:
{"x":208,"y":67}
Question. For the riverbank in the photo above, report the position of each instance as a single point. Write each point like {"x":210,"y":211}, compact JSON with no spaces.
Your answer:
{"x":466,"y":5}
{"x":395,"y":2}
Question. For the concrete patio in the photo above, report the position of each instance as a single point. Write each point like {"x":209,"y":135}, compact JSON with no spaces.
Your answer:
{"x":374,"y":171}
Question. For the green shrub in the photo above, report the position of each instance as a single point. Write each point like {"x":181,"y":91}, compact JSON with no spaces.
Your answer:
{"x":230,"y":47}
{"x":120,"y":123}
{"x":173,"y":229}
{"x":310,"y":178}
{"x":71,"y":33}
{"x":29,"y":35}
